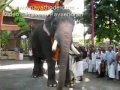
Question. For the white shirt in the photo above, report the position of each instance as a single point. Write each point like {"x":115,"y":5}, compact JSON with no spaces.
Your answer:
{"x":103,"y":56}
{"x":94,"y":55}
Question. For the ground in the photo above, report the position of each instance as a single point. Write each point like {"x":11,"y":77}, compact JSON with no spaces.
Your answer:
{"x":16,"y":75}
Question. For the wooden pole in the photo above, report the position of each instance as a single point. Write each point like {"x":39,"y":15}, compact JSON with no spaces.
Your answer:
{"x":0,"y":20}
{"x":92,"y":7}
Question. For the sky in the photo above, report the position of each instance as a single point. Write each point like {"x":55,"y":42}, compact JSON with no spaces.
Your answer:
{"x":77,"y":7}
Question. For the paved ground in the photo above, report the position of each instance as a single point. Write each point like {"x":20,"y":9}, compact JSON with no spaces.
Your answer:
{"x":16,"y":75}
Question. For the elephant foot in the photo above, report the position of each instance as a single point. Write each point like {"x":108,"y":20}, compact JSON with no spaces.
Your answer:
{"x":59,"y":88}
{"x":37,"y":75}
{"x":70,"y":85}
{"x":51,"y":83}
{"x":72,"y":80}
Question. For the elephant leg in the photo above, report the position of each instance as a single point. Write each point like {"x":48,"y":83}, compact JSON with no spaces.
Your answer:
{"x":47,"y":51}
{"x":51,"y":73}
{"x":68,"y":77}
{"x":38,"y":67}
{"x":67,"y":81}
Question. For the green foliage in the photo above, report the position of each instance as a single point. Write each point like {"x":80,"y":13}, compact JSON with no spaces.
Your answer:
{"x":89,"y":42}
{"x":99,"y":42}
{"x":24,"y":44}
{"x":107,"y":18}
{"x":4,"y":38}
{"x":19,"y":20}
{"x":4,"y":4}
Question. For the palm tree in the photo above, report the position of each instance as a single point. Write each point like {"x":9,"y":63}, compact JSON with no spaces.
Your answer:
{"x":4,"y":4}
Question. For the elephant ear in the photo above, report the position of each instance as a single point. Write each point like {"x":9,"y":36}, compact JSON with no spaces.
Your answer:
{"x":50,"y":23}
{"x":53,"y":28}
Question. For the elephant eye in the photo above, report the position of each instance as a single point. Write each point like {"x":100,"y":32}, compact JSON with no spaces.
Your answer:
{"x":54,"y":23}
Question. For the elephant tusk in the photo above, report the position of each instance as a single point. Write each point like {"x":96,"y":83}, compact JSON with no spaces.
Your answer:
{"x":74,"y":49}
{"x":54,"y":46}
{"x":46,"y":30}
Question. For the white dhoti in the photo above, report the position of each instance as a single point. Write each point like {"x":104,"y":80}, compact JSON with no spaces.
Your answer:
{"x":89,"y":65}
{"x":111,"y":71}
{"x":75,"y":67}
{"x":98,"y":62}
{"x":93,"y":65}
{"x":79,"y":68}
{"x":118,"y":67}
{"x":72,"y":65}
{"x":85,"y":64}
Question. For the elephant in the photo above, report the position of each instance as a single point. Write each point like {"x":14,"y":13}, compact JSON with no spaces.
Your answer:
{"x":58,"y":25}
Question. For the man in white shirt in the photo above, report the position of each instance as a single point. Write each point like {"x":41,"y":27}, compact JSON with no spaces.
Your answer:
{"x":110,"y":59}
{"x":92,"y":60}
{"x":94,"y":56}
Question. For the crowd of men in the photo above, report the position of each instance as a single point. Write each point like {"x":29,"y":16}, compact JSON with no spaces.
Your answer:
{"x":103,"y":62}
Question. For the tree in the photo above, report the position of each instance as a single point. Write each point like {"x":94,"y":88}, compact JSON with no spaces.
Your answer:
{"x":4,"y":38}
{"x":18,"y":19}
{"x":4,"y":4}
{"x":107,"y":18}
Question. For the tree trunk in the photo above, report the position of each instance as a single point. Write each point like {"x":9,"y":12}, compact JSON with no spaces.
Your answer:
{"x":110,"y":41}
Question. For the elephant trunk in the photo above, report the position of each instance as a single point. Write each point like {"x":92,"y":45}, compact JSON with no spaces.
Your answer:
{"x":63,"y":62}
{"x":64,"y":39}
